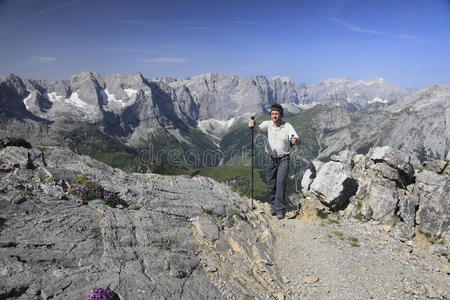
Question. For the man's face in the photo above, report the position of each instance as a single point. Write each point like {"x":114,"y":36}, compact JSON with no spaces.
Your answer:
{"x":275,"y":115}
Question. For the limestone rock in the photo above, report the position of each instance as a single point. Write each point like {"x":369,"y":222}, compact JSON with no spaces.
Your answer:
{"x":52,"y":248}
{"x":334,"y":185}
{"x":433,"y":192}
{"x":382,"y":198}
{"x":345,"y":157}
{"x":395,"y":159}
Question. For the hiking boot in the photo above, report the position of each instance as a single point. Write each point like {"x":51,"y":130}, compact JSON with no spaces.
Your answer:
{"x":280,"y":215}
{"x":291,"y":214}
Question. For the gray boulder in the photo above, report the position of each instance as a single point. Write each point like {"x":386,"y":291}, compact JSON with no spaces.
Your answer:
{"x":345,"y":157}
{"x":334,"y":185}
{"x":433,"y":192}
{"x":395,"y":159}
{"x":309,"y":175}
{"x":382,"y":197}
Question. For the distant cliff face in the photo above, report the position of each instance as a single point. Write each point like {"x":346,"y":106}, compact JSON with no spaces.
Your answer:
{"x":133,"y":109}
{"x":416,"y":124}
{"x":91,"y":97}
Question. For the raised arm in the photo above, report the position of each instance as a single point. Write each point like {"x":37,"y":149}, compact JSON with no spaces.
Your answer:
{"x":252,"y":124}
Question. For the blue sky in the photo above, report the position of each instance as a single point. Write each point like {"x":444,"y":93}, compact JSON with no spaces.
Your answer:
{"x":407,"y":42}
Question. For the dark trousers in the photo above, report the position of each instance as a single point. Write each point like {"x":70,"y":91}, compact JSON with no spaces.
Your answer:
{"x":276,"y":176}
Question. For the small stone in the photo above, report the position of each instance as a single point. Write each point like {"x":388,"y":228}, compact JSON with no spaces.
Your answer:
{"x":398,"y":278}
{"x":431,"y":292}
{"x":386,"y":228}
{"x":410,"y":243}
{"x":438,"y":249}
{"x":311,"y":279}
{"x":16,"y":197}
{"x":446,"y":268}
{"x":279,"y":296}
{"x":211,"y":269}
{"x":180,"y":274}
{"x":286,"y":280}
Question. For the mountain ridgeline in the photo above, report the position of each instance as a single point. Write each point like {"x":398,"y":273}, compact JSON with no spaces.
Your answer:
{"x":162,"y":125}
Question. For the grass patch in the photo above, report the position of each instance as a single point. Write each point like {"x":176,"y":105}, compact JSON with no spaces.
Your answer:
{"x":354,"y":242}
{"x":337,"y":233}
{"x":359,"y":217}
{"x":322,"y":214}
{"x":431,"y":238}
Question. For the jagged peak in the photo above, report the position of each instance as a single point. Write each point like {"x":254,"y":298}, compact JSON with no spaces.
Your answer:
{"x":11,"y":77}
{"x":85,"y":76}
{"x":335,"y":80}
{"x":283,"y":78}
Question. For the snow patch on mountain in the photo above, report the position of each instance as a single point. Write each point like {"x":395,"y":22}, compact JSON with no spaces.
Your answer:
{"x":377,"y":100}
{"x":54,"y":97}
{"x":130,"y":92}
{"x":76,"y":101}
{"x":27,"y":99}
{"x":215,"y":126}
{"x":112,"y":99}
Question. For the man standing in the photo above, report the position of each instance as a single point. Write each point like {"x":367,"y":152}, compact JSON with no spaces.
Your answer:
{"x":281,"y":135}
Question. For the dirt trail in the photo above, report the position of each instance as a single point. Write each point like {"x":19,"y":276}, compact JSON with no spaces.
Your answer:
{"x":349,"y":259}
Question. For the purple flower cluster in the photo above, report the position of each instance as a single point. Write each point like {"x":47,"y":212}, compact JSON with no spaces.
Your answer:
{"x":99,"y":190}
{"x":80,"y":191}
{"x":86,"y":190}
{"x":99,"y":293}
{"x":109,"y":196}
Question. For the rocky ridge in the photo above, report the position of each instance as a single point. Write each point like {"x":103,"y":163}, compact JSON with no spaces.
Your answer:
{"x":383,"y":186}
{"x":167,"y":239}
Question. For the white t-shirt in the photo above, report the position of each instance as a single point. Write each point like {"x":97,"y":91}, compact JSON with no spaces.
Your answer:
{"x":278,"y":137}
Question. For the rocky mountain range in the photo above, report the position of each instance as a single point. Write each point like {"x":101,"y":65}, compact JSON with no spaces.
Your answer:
{"x":129,"y":105}
{"x":201,"y":112}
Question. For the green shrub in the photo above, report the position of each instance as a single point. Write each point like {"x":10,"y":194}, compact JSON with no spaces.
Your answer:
{"x":354,"y":242}
{"x":359,"y":217}
{"x":322,"y":214}
{"x":85,"y":189}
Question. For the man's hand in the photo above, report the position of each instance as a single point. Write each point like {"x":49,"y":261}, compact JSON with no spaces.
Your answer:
{"x":251,"y":123}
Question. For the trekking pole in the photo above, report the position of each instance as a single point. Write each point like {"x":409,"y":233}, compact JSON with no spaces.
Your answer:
{"x":253,"y":130}
{"x":295,"y":174}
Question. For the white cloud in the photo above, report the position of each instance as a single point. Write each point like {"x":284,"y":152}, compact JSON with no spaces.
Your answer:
{"x":43,"y":59}
{"x":406,"y":36}
{"x":39,"y":60}
{"x":166,"y":60}
{"x":37,"y":14}
{"x":353,"y":27}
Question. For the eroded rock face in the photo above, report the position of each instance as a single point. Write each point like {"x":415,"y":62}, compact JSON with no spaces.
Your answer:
{"x":333,"y":185}
{"x":389,"y":190}
{"x":176,"y":237}
{"x":433,"y":192}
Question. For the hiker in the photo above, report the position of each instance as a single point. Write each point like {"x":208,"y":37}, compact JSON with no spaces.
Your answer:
{"x":281,"y":135}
